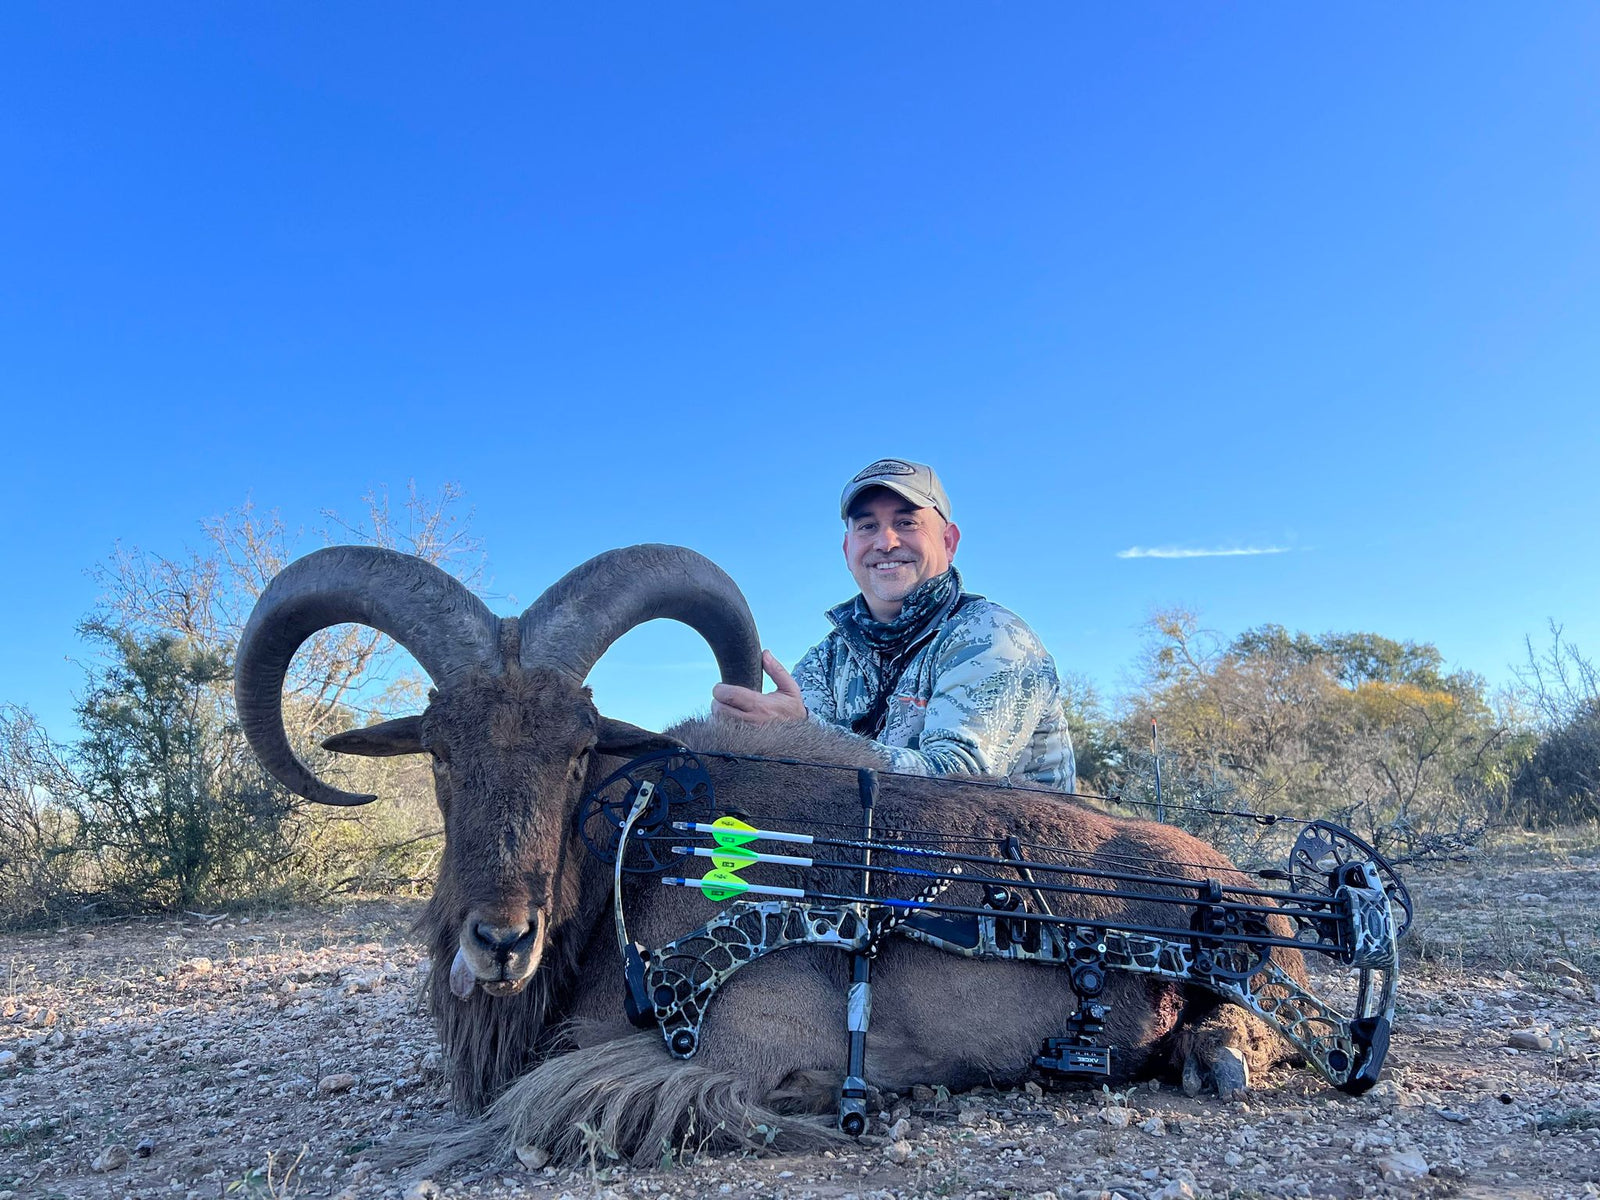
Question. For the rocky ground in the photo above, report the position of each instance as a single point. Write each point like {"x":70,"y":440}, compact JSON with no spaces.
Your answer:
{"x":260,"y":1056}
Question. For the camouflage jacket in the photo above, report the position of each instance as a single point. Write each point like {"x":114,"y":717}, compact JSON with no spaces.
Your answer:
{"x":980,"y":696}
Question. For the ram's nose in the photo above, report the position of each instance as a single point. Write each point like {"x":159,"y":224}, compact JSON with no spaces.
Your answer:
{"x":501,"y":941}
{"x":497,"y":952}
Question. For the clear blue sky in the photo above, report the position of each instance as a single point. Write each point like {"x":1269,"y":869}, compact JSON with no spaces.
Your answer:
{"x":1319,"y":278}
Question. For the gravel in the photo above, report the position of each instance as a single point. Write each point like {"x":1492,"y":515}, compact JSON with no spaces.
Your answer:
{"x":189,"y":1059}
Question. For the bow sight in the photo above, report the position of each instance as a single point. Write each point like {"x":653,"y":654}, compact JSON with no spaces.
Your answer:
{"x":1341,"y":902}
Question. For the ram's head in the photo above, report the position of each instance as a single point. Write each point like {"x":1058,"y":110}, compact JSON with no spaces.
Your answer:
{"x":510,"y":728}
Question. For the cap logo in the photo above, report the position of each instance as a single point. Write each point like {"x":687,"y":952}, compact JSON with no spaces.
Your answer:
{"x":885,"y":466}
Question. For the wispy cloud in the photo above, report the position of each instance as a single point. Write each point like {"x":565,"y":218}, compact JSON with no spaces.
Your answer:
{"x":1199,"y":552}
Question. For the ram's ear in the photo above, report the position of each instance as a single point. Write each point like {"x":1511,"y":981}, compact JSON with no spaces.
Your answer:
{"x":629,"y":741}
{"x":403,"y":735}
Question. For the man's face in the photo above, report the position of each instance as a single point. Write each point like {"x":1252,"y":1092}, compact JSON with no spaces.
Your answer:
{"x":891,"y":545}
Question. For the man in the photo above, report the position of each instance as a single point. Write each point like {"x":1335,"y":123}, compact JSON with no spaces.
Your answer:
{"x":944,"y":680}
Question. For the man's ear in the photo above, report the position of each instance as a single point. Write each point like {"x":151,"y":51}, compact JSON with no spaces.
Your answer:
{"x":400,"y":736}
{"x":952,"y":538}
{"x":629,"y":741}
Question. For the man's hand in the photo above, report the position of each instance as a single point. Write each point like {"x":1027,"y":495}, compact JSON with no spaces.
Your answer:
{"x":729,"y":701}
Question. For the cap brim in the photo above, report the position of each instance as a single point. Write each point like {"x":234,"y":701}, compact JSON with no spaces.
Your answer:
{"x":920,"y":499}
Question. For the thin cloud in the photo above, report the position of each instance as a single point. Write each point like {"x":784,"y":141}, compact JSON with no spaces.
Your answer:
{"x":1198,"y":552}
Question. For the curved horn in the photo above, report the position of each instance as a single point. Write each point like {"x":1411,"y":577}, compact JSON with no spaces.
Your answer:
{"x":578,"y":617}
{"x":432,"y":614}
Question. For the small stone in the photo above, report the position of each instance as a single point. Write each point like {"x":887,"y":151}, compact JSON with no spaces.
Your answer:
{"x":1178,"y":1189}
{"x":145,"y":1147}
{"x":422,"y":1189}
{"x":898,"y":1151}
{"x":1233,"y":1158}
{"x":1450,"y":1114}
{"x":1117,"y":1118}
{"x":971,"y":1117}
{"x":533,"y":1157}
{"x":1154,"y":1126}
{"x":330,"y":1085}
{"x":1385,"y":1091}
{"x":1528,"y":1039}
{"x":1560,"y":966}
{"x":923,"y":1094}
{"x":8,"y":1058}
{"x":197,"y":966}
{"x":109,"y":1159}
{"x":1402,"y":1166}
{"x":1043,"y":1196}
{"x":900,"y":1130}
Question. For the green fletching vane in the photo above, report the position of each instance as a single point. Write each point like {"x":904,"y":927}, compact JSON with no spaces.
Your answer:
{"x":718,"y":884}
{"x":731,"y":833}
{"x":730,"y":858}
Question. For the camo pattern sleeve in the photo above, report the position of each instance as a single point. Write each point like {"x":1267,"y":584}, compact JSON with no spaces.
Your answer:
{"x":992,"y":704}
{"x":813,"y":674}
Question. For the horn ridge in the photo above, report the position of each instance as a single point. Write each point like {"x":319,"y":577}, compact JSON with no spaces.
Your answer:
{"x":446,"y":628}
{"x":578,"y":617}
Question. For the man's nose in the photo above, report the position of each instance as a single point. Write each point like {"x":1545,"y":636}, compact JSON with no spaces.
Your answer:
{"x":887,"y":539}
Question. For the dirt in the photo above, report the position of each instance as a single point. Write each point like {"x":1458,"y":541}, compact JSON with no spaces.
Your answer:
{"x":254,"y":1056}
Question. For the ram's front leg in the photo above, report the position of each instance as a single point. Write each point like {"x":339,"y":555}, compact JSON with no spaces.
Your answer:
{"x":1220,"y":1048}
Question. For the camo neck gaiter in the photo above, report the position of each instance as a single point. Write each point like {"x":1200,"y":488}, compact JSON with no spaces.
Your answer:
{"x":885,"y":647}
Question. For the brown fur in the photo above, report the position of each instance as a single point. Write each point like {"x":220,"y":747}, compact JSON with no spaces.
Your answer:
{"x":774,"y":1037}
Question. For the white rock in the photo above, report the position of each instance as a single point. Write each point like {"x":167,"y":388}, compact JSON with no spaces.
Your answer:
{"x":329,"y":1085}
{"x":7,"y":1058}
{"x":1176,"y":1190}
{"x":422,"y":1189}
{"x":898,"y":1152}
{"x":109,"y":1159}
{"x":1527,"y":1039}
{"x":1117,"y":1118}
{"x":1154,"y":1126}
{"x":900,"y":1130}
{"x":533,"y":1157}
{"x":1402,"y":1166}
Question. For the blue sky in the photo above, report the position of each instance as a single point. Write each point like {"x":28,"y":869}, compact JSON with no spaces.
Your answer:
{"x":1324,"y":279}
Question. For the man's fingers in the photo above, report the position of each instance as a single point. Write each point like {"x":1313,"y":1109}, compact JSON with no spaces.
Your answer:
{"x":731,"y":695}
{"x":779,"y":675}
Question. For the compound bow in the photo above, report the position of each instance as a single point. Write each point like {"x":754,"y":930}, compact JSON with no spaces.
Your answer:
{"x":1341,"y":902}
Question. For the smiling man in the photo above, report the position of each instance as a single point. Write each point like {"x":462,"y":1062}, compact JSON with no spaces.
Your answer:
{"x":945,"y":681}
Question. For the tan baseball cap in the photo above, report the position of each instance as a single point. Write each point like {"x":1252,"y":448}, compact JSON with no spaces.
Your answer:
{"x":917,"y":482}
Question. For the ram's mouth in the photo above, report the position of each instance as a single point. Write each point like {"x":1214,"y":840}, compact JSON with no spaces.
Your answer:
{"x":504,"y":987}
{"x":464,"y":980}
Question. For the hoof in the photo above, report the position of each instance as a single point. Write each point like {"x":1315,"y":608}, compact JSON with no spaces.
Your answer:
{"x":1226,"y":1073}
